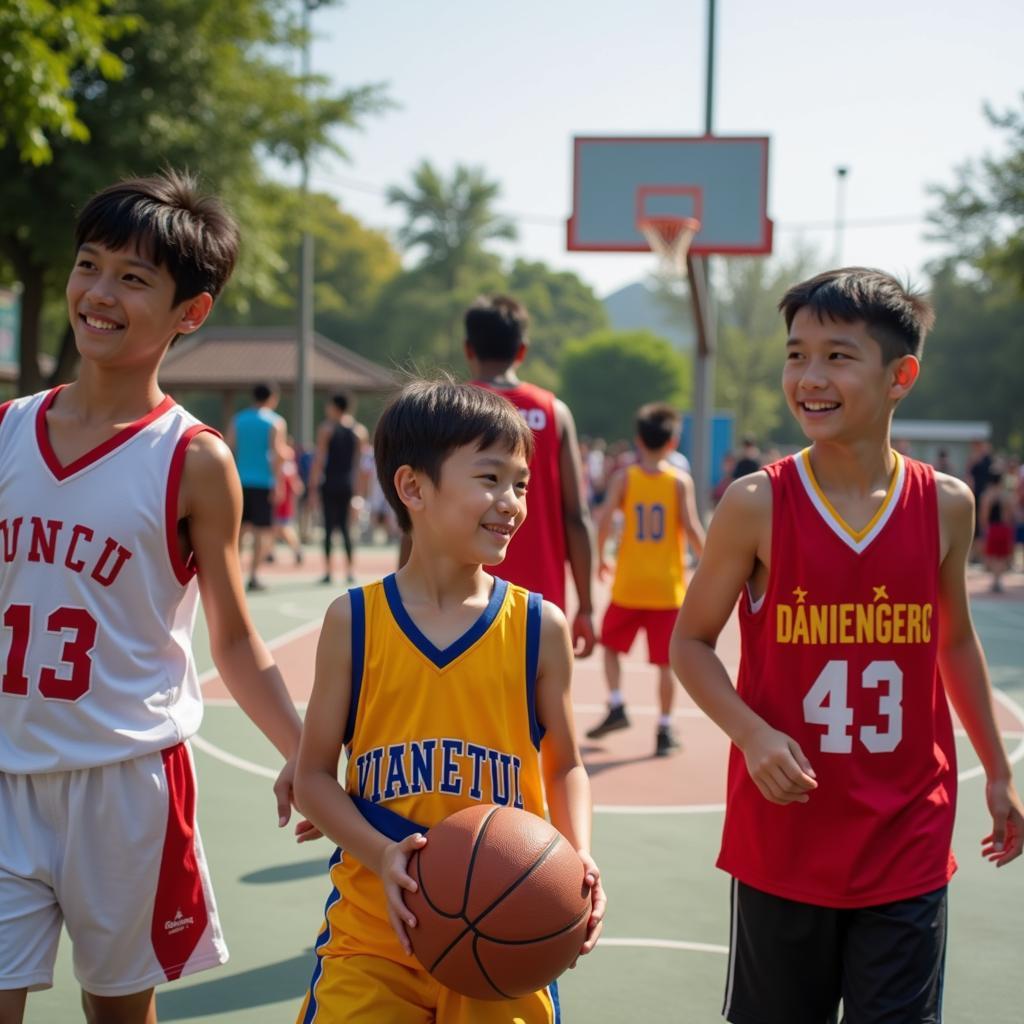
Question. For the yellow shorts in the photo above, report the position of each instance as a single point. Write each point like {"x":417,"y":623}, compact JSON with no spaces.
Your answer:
{"x":372,"y":989}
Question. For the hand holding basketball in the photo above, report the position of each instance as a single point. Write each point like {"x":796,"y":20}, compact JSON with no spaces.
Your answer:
{"x":598,"y":902}
{"x":394,"y":873}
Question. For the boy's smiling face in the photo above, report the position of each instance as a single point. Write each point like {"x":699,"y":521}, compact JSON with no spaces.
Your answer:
{"x":121,"y":307}
{"x":836,"y":384}
{"x":478,"y":504}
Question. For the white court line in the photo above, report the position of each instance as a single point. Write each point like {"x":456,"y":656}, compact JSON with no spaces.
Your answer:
{"x":689,"y":947}
{"x":255,"y":769}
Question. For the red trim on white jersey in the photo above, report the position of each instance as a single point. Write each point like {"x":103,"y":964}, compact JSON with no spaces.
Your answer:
{"x":4,"y":408}
{"x":179,"y":910}
{"x":62,"y":472}
{"x":183,"y":571}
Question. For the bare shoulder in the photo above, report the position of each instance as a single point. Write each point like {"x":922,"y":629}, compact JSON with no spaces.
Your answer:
{"x":956,"y":499}
{"x":339,"y":615}
{"x":751,"y":495}
{"x":553,"y":625}
{"x":209,"y":467}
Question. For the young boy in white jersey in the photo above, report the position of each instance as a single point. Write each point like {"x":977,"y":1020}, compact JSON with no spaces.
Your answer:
{"x":849,"y":564}
{"x":117,"y":510}
{"x":660,"y":518}
{"x":444,"y":685}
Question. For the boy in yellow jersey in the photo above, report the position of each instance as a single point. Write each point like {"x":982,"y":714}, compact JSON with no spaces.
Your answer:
{"x":659,"y":519}
{"x":444,"y":685}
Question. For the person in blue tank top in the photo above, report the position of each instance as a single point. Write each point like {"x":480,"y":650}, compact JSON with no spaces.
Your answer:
{"x":257,"y":437}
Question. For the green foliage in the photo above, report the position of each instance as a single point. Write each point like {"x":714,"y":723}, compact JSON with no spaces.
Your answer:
{"x":43,"y":46}
{"x":751,"y":342}
{"x":608,"y":375}
{"x":561,"y":307}
{"x":352,"y":263}
{"x":972,"y":366}
{"x":981,"y":216}
{"x":206,"y":85}
{"x":450,"y":221}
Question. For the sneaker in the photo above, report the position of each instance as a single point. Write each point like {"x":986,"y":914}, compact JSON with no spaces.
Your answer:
{"x":666,"y":742}
{"x":615,"y":719}
{"x":326,"y":579}
{"x":254,"y":586}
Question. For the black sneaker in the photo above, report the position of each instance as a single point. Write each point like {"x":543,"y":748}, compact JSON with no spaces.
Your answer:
{"x":615,"y":719}
{"x":666,"y":742}
{"x":254,"y":586}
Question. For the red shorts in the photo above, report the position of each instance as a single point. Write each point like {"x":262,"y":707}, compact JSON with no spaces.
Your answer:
{"x":621,"y":625}
{"x":999,"y":540}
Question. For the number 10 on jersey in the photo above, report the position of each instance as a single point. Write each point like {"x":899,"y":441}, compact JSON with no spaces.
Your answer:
{"x":827,"y":704}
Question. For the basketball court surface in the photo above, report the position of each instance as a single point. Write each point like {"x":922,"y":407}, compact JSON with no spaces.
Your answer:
{"x":656,"y":831}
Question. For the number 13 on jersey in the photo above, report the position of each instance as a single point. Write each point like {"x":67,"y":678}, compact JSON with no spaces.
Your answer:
{"x":827,"y":704}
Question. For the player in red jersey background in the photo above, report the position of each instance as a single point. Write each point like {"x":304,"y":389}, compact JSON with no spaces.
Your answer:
{"x":557,"y":526}
{"x":849,"y":563}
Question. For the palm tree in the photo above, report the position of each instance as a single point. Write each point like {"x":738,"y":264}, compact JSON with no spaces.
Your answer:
{"x":450,"y":220}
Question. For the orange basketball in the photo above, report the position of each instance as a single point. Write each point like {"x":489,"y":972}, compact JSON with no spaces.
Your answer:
{"x":502,"y":906}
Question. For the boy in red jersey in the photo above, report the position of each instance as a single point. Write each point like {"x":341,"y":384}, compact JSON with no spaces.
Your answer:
{"x":659,"y":519}
{"x":559,"y":523}
{"x":119,"y":510}
{"x":849,"y":561}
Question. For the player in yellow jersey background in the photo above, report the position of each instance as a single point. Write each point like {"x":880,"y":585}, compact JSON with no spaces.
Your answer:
{"x":659,"y":519}
{"x":445,"y":686}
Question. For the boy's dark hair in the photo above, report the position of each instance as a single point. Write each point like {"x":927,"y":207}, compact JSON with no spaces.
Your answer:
{"x":656,"y":422}
{"x":262,"y":392}
{"x":496,"y":328}
{"x":428,"y":420}
{"x":896,"y":317}
{"x":340,"y":401}
{"x":169,"y":222}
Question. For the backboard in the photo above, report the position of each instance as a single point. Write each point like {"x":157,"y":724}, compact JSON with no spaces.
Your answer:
{"x":619,"y":181}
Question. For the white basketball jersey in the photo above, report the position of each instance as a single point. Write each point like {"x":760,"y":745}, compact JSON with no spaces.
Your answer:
{"x":96,"y":603}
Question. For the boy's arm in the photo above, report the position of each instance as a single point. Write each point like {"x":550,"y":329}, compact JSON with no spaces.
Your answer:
{"x":605,"y":515}
{"x":688,"y":517}
{"x":566,"y":784}
{"x":317,"y":790}
{"x":579,"y":544}
{"x":738,"y":537}
{"x":965,"y":674}
{"x":319,"y":460}
{"x":211,"y":499}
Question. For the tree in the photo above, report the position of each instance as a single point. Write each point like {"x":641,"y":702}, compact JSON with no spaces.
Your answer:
{"x":971,"y":366}
{"x":981,"y":216}
{"x":213,"y":98}
{"x":353,"y":263}
{"x":608,"y":375}
{"x":561,"y":307}
{"x":44,"y":45}
{"x":451,"y":220}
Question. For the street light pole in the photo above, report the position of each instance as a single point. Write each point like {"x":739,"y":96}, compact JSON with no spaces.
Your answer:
{"x":837,"y":241}
{"x":303,"y":382}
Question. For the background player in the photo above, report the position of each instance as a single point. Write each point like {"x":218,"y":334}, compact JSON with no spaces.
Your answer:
{"x":112,"y":497}
{"x":849,"y":561}
{"x":257,"y":437}
{"x":659,"y":518}
{"x":559,"y":524}
{"x":336,"y":476}
{"x":452,"y":460}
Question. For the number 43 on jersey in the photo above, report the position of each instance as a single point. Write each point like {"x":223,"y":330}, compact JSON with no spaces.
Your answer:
{"x":827,"y":704}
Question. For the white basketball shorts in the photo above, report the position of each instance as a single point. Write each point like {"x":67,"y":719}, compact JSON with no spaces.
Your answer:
{"x":113,"y":853}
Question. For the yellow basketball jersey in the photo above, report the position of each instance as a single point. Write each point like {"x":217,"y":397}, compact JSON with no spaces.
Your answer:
{"x":430,"y":732}
{"x":649,"y":567}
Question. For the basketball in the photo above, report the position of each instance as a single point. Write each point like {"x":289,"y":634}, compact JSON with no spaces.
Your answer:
{"x":502,"y":906}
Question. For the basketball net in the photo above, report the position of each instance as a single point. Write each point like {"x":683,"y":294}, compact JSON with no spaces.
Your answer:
{"x":669,"y":238}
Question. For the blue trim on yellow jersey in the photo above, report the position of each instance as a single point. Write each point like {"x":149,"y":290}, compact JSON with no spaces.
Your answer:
{"x":321,"y":941}
{"x":534,"y":606}
{"x":395,"y":826}
{"x":453,"y":650}
{"x":358,"y":603}
{"x":553,"y":992}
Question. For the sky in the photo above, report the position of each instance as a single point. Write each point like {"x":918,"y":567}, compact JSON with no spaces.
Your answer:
{"x":892,"y":90}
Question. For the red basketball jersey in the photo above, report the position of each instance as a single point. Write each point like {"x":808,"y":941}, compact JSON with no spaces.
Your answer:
{"x":840,"y":654}
{"x":536,"y":555}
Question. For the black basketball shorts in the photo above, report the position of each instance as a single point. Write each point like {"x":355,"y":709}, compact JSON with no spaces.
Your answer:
{"x":257,"y":509}
{"x":795,"y":963}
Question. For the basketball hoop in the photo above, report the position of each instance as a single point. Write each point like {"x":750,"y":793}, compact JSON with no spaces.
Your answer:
{"x":669,"y":238}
